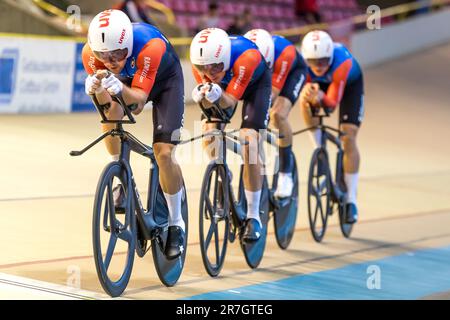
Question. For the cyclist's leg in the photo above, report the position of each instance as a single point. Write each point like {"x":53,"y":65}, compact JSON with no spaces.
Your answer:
{"x":351,"y":114}
{"x":284,"y":102}
{"x":279,"y":119}
{"x":114,"y":112}
{"x":211,"y":145}
{"x":310,"y":121}
{"x":255,"y":114}
{"x":168,"y":117}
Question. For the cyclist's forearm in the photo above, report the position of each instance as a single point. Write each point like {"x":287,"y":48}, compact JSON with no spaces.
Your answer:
{"x":227,"y":100}
{"x":134,"y":95}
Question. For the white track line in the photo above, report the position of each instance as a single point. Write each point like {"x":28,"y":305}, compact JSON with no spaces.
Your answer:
{"x":15,"y":287}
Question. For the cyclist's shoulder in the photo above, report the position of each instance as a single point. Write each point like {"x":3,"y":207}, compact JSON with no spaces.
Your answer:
{"x":281,"y":42}
{"x":341,"y":52}
{"x":242,"y":49}
{"x":240,"y":43}
{"x":144,"y":32}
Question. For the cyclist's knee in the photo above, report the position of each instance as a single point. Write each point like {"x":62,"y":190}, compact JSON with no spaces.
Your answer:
{"x":277,"y":117}
{"x":251,"y":148}
{"x":163,"y":152}
{"x":349,"y":139}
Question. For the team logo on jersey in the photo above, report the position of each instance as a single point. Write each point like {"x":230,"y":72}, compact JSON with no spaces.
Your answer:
{"x":298,"y":86}
{"x":240,"y":77}
{"x":147,"y":61}
{"x":361,"y":109}
{"x":284,"y":66}
{"x":91,"y":63}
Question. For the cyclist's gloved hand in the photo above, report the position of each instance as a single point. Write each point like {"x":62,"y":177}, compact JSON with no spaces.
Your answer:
{"x":310,"y":92}
{"x":197,"y":93}
{"x":113,"y":85}
{"x":92,"y":85}
{"x":213,"y":93}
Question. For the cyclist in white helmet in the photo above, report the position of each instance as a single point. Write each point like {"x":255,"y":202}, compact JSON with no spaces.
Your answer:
{"x":229,"y":69}
{"x":145,"y":67}
{"x":335,"y":78}
{"x":288,"y":77}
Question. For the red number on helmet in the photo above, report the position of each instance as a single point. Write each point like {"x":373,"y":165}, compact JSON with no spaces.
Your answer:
{"x":204,"y":36}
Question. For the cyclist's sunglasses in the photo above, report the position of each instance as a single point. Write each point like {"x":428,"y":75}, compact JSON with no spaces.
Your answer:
{"x":321,"y":62}
{"x":210,"y":68}
{"x":115,"y":55}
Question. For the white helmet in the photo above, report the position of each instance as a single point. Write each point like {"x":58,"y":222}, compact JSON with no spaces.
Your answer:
{"x":211,"y":46}
{"x":265,"y":44}
{"x":111,"y":30}
{"x":318,"y":45}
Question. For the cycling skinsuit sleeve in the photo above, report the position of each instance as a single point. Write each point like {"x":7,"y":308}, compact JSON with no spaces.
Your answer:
{"x":243,"y":70}
{"x":336,"y":89}
{"x":283,"y":66}
{"x":147,"y":63}
{"x":90,"y":63}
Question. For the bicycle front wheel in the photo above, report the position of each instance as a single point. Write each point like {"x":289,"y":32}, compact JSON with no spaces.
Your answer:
{"x":214,"y":218}
{"x":113,"y":233}
{"x":319,"y":194}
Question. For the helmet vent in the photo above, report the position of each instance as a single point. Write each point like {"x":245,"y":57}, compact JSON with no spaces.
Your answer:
{"x":201,"y":52}
{"x":103,"y":37}
{"x":315,"y":47}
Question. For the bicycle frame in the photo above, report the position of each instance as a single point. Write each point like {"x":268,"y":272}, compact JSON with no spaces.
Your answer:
{"x":337,"y":193}
{"x":129,"y":143}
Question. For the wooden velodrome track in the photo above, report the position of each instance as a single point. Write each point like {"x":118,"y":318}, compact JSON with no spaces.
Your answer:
{"x":46,"y":202}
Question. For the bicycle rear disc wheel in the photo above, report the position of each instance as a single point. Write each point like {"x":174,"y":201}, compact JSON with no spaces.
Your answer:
{"x":254,"y":251}
{"x":113,"y":232}
{"x":214,"y":218}
{"x":285,"y":214}
{"x":169,"y":271}
{"x":319,"y":194}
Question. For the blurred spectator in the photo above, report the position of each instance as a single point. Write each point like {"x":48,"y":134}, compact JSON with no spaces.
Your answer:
{"x":308,"y":11}
{"x":237,"y":26}
{"x":211,"y":18}
{"x":136,"y":10}
{"x":247,"y":20}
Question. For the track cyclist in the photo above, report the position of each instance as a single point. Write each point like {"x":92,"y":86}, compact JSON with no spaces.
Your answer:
{"x":229,"y":69}
{"x":335,"y":78}
{"x":144,"y":68}
{"x":288,"y":77}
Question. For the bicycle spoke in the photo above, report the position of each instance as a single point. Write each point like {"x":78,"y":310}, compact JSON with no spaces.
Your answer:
{"x":110,"y":251}
{"x":209,"y":236}
{"x":215,"y":190}
{"x":216,"y":238}
{"x":315,"y":213}
{"x":112,"y":209}
{"x":323,"y":214}
{"x":105,"y":217}
{"x":209,"y":207}
{"x":319,"y":202}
